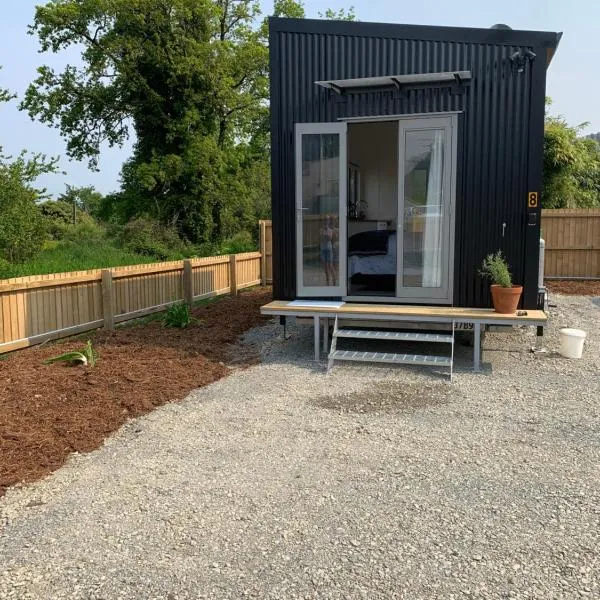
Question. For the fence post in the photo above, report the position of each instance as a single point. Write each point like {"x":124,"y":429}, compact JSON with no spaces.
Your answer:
{"x":188,"y":283}
{"x":263,"y":253}
{"x":108,"y":299}
{"x":233,"y":274}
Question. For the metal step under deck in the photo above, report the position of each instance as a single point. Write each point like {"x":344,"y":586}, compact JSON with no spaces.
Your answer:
{"x":390,"y":335}
{"x":386,"y":335}
{"x":391,"y":357}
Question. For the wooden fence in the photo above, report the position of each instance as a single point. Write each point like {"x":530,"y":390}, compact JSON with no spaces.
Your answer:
{"x":572,"y":237}
{"x":44,"y":307}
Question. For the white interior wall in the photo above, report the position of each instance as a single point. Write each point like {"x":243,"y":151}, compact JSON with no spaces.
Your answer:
{"x":373,"y":147}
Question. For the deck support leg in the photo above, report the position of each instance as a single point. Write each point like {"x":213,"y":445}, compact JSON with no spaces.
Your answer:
{"x":477,"y":347}
{"x":539,"y":341}
{"x":539,"y":338}
{"x":325,"y":335}
{"x":317,"y":328}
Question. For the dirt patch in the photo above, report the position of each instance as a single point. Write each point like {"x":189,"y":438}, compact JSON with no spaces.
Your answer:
{"x":569,"y":287}
{"x":49,"y":411}
{"x":386,"y":398}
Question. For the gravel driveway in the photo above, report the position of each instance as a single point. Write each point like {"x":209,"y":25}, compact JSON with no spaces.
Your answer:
{"x":281,"y":482}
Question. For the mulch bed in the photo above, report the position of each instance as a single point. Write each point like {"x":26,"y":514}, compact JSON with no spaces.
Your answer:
{"x":49,"y":411}
{"x":571,"y":287}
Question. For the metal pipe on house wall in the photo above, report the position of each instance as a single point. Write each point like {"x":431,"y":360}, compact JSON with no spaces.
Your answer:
{"x":541,"y":265}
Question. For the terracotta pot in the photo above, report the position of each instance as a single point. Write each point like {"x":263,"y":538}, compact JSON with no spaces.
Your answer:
{"x":506,"y":300}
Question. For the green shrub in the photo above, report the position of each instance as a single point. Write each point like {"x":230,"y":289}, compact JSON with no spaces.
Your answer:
{"x":57,"y":216}
{"x":240,"y":242}
{"x":148,"y":237}
{"x":87,"y":230}
{"x":22,"y":230}
{"x":208,"y":249}
{"x":495,"y":268}
{"x":178,"y":315}
{"x":5,"y":269}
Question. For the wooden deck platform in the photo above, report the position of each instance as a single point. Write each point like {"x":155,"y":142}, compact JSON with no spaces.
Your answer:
{"x":325,"y":310}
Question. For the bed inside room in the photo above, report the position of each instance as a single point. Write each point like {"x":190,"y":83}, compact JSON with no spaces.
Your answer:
{"x":372,"y":208}
{"x":374,"y":220}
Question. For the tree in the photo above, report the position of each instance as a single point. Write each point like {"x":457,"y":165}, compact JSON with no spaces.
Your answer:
{"x":21,"y":225}
{"x":60,"y":218}
{"x":288,"y":8}
{"x":339,"y":15}
{"x":189,"y":77}
{"x":6,"y":95}
{"x":85,"y":199}
{"x":57,"y":211}
{"x":22,"y":230}
{"x":571,"y":166}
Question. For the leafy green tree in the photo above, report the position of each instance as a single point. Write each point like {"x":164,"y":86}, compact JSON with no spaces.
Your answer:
{"x":57,"y":215}
{"x":571,"y":166}
{"x":6,"y":95}
{"x":57,"y":210}
{"x":288,"y":8}
{"x":22,"y":230}
{"x":85,"y":199}
{"x":189,"y":78}
{"x":66,"y":221}
{"x":339,"y":15}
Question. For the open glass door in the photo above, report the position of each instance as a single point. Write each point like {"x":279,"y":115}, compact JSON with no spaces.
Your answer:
{"x":426,"y":185}
{"x":321,"y":181}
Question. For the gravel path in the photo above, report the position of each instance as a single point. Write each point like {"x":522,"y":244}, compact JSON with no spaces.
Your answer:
{"x":270,"y":484}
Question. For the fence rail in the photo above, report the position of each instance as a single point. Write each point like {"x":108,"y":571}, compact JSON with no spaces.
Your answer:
{"x":37,"y":308}
{"x":572,"y":237}
{"x":266,"y":249}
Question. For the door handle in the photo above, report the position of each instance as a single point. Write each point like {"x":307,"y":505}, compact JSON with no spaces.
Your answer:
{"x":299,"y":213}
{"x":503,"y":229}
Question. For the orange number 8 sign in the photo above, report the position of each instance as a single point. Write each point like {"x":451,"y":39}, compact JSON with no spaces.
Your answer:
{"x":532,"y":200}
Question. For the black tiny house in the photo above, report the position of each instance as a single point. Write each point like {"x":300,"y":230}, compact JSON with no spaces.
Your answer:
{"x":401,"y":156}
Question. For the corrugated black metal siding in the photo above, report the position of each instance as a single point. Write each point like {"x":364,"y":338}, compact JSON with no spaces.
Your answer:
{"x":494,"y":142}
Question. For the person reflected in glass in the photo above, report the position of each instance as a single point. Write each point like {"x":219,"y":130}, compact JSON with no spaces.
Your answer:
{"x":327,"y":238}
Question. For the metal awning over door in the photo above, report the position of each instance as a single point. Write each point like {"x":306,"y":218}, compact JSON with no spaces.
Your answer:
{"x":391,"y":82}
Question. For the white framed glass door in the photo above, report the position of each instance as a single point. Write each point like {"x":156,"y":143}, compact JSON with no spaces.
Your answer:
{"x":321,"y":199}
{"x":426,"y":204}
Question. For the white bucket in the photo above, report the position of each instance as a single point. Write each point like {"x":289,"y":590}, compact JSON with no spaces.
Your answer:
{"x":571,"y":342}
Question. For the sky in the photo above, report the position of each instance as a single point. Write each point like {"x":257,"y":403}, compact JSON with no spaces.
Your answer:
{"x":572,"y":82}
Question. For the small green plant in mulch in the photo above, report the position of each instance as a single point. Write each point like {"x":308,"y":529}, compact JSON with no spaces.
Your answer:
{"x":86,"y":356}
{"x":178,"y":316}
{"x":495,"y":268}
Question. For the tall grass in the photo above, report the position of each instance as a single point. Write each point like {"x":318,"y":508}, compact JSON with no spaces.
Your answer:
{"x":63,"y":256}
{"x":89,"y":246}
